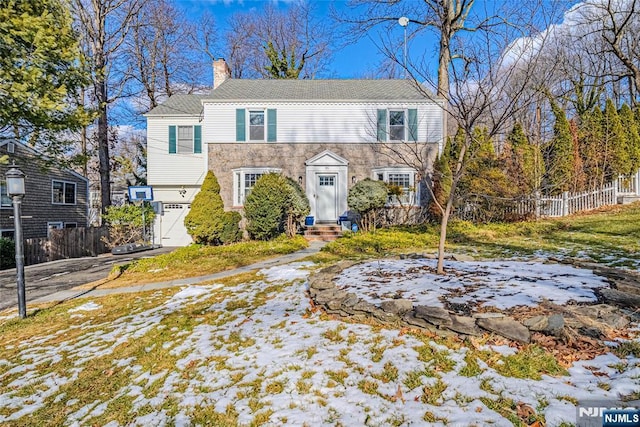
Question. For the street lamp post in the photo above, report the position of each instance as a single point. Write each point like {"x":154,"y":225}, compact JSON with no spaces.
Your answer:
{"x":16,"y":190}
{"x":404,"y":21}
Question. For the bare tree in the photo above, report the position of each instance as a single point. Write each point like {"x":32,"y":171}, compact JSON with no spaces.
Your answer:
{"x":160,"y":54}
{"x":104,"y":26}
{"x":278,"y":43}
{"x":611,"y":28}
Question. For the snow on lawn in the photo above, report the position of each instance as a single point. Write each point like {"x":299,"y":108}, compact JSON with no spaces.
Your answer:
{"x":499,"y":284}
{"x":263,"y":357}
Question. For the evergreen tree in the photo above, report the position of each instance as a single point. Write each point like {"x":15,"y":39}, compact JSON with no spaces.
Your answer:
{"x":40,"y":68}
{"x":615,"y":139}
{"x":632,"y":133}
{"x":579,"y":177}
{"x":559,"y":154}
{"x":207,"y":222}
{"x":523,"y":162}
{"x":441,"y":180}
{"x":283,"y":64}
{"x":485,"y":185}
{"x":594,"y":154}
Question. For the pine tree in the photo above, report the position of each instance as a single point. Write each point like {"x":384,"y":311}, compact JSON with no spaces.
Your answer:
{"x":40,"y":68}
{"x":559,"y":154}
{"x":594,"y":154}
{"x":523,"y":161}
{"x":630,"y":126}
{"x":616,"y":141}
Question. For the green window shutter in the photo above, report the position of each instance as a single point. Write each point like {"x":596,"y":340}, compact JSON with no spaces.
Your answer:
{"x":197,"y":139}
{"x":413,"y":124}
{"x":172,"y":140}
{"x":240,"y":125}
{"x":272,"y":123}
{"x":382,"y":125}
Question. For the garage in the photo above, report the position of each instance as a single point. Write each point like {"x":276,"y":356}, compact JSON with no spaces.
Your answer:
{"x":171,"y":225}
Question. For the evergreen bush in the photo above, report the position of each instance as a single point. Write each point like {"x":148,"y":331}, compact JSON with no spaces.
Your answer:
{"x":367,"y":197}
{"x":207,"y":222}
{"x":265,"y":207}
{"x":7,"y":253}
{"x":297,"y":207}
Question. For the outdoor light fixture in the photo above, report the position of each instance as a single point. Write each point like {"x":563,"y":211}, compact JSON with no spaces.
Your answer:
{"x":300,"y":180}
{"x":16,"y":190}
{"x":182,"y":191}
{"x":353,"y":179}
{"x":404,"y":21}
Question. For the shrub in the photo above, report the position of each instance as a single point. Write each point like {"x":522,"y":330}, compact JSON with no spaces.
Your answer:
{"x":7,"y":253}
{"x":367,"y":197}
{"x":207,"y":222}
{"x":125,"y":223}
{"x":230,"y":231}
{"x":265,"y":206}
{"x":297,"y":208}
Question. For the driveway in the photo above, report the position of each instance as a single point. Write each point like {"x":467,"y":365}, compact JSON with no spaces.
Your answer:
{"x":50,"y":277}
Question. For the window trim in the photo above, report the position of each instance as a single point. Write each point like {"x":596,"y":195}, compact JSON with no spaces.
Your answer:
{"x":64,"y":189}
{"x":239,"y":193}
{"x":411,"y":128}
{"x":173,"y":139}
{"x":3,"y":186}
{"x":264,"y":124}
{"x":414,"y":195}
{"x":405,"y":129}
{"x":3,"y":232}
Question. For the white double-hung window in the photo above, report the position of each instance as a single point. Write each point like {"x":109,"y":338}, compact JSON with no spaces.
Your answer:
{"x":402,"y":181}
{"x":244,"y":179}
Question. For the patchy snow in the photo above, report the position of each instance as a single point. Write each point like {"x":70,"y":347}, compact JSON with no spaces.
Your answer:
{"x":90,"y":306}
{"x":498,"y":284}
{"x":271,"y":357}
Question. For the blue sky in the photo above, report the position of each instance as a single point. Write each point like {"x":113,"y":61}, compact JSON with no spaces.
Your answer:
{"x":353,"y":61}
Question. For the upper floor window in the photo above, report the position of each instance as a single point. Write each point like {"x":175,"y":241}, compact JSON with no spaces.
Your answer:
{"x":397,"y":125}
{"x":262,"y":125}
{"x":256,"y":125}
{"x":185,"y":139}
{"x":5,"y":200}
{"x":402,"y":182}
{"x":244,"y":180}
{"x":63,"y":193}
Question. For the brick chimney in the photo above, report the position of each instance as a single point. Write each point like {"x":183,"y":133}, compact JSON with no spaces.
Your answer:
{"x":221,"y":72}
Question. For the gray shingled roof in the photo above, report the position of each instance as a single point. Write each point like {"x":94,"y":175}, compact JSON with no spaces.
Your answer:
{"x":315,"y":90}
{"x":179,"y":105}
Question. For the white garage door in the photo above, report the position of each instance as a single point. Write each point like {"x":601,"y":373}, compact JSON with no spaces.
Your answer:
{"x":173,"y":231}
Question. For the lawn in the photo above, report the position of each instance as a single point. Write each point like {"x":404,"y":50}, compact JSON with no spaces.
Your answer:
{"x":252,"y":350}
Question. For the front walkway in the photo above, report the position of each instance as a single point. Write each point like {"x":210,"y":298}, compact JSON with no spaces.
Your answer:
{"x":313,"y":248}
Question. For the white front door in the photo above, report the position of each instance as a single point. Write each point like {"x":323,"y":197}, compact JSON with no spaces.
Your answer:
{"x":327,"y":197}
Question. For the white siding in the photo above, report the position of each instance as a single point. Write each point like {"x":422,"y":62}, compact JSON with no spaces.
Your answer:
{"x":172,"y":169}
{"x":320,"y":122}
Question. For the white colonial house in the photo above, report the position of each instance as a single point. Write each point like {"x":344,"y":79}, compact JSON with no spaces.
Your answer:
{"x":326,"y":134}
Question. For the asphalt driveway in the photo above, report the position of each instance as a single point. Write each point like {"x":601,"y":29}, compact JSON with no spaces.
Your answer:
{"x":50,"y":277}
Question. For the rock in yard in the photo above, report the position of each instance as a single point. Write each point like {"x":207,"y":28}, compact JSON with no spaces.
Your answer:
{"x":364,"y":307}
{"x":464,"y":325}
{"x":324,"y":297}
{"x":397,"y":306}
{"x":536,"y":323}
{"x":435,"y":315}
{"x":462,"y":257}
{"x":506,"y":327}
{"x":550,"y":325}
{"x":319,"y":284}
{"x":351,"y":300}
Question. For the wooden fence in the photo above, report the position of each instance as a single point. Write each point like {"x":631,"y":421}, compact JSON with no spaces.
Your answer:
{"x":66,"y":243}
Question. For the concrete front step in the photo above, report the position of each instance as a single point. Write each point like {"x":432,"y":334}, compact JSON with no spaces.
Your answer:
{"x":323,"y":232}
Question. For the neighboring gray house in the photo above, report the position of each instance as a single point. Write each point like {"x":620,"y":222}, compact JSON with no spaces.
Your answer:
{"x":326,"y":134}
{"x":56,"y":198}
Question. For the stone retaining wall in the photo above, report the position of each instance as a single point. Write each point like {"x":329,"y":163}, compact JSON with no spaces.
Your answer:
{"x":403,"y":313}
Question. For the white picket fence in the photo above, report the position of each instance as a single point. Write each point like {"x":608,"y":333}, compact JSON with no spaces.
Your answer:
{"x":570,"y":203}
{"x":625,"y":188}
